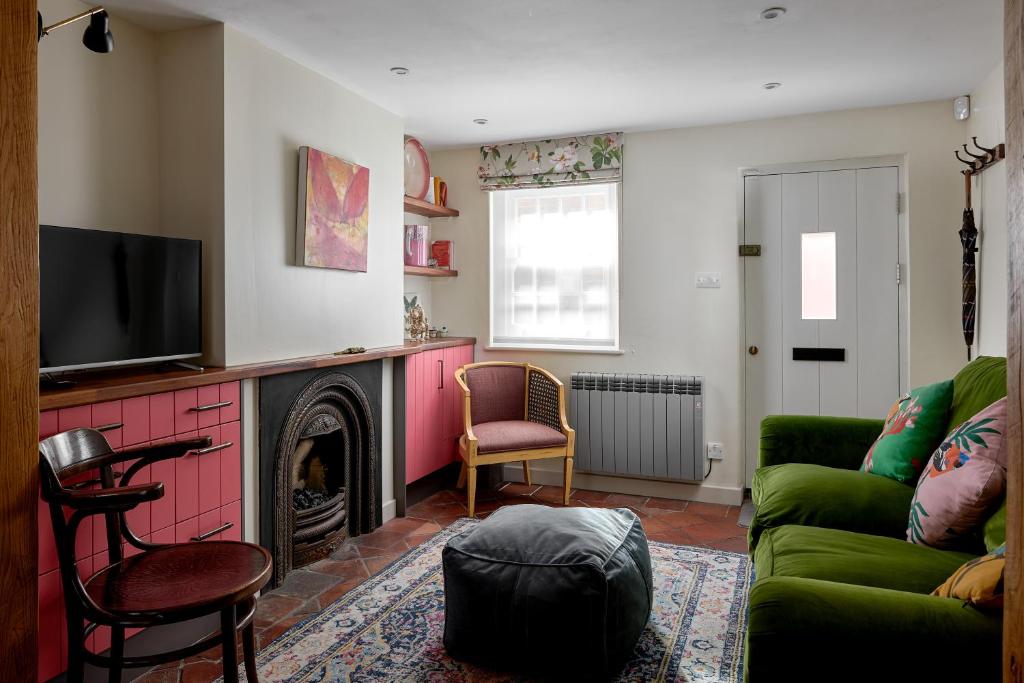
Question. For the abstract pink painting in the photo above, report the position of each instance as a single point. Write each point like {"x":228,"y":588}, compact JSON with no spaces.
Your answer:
{"x":333,"y":212}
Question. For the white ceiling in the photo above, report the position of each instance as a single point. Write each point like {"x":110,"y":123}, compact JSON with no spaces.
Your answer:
{"x":573,"y":66}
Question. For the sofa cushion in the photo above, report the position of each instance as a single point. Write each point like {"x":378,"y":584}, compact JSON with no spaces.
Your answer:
{"x":980,"y":383}
{"x":515,"y":435}
{"x":995,"y":529}
{"x":811,"y":630}
{"x":497,"y":392}
{"x":814,"y":495}
{"x":978,"y":582}
{"x":913,"y":428}
{"x":962,"y":484}
{"x":848,"y":557}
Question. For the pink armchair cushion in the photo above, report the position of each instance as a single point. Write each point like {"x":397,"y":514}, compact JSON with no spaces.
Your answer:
{"x":515,"y":435}
{"x":497,"y":392}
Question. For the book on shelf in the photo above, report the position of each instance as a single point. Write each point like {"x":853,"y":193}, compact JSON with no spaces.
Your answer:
{"x":443,"y":253}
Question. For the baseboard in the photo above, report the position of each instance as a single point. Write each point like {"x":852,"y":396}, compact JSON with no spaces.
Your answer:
{"x":439,"y":480}
{"x":704,"y":493}
{"x":389,"y":511}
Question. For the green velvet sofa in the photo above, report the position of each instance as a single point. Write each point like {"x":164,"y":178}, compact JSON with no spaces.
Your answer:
{"x":838,"y":592}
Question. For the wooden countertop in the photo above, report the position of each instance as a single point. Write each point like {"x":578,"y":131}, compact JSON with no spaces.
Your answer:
{"x":117,"y":384}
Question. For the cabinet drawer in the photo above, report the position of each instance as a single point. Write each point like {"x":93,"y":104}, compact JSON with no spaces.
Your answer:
{"x":186,"y":419}
{"x":135,"y":415}
{"x":106,"y":417}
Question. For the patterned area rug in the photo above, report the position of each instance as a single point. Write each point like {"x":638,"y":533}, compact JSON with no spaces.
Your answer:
{"x":390,"y":627}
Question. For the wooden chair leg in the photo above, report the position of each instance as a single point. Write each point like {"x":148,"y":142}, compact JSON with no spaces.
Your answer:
{"x":526,"y":472}
{"x":229,"y":644}
{"x":116,"y":653}
{"x":462,"y":476}
{"x":249,"y":650}
{"x":568,"y":481}
{"x":471,"y":493}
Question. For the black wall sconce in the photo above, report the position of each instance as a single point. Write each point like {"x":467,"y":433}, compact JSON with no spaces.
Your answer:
{"x":97,"y":36}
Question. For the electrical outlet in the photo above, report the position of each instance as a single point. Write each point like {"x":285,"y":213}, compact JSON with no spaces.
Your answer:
{"x":716,"y":451}
{"x":708,"y":280}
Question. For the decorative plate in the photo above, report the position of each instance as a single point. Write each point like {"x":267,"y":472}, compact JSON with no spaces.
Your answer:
{"x":417,"y":169}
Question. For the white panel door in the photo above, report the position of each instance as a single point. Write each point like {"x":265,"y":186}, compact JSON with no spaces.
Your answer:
{"x":822,"y":300}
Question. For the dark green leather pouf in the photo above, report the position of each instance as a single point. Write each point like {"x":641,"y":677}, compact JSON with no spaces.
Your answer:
{"x":555,"y":591}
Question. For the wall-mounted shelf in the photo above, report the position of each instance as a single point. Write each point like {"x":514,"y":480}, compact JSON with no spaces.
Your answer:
{"x":427,"y":209}
{"x":430,"y":272}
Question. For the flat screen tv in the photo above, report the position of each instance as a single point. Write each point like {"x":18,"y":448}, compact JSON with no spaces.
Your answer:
{"x":112,"y":298}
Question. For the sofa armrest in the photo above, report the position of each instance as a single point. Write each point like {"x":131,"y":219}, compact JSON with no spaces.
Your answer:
{"x":831,"y":441}
{"x":807,"y":629}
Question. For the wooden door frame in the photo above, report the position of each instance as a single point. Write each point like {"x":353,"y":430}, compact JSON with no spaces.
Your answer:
{"x":1013,"y":613}
{"x":19,"y":339}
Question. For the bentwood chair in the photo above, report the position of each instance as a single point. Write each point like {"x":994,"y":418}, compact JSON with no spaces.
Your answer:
{"x":512,"y":412}
{"x":162,"y":584}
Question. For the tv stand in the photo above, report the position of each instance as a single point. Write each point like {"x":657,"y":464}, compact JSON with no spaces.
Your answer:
{"x":184,"y":365}
{"x":51,"y":383}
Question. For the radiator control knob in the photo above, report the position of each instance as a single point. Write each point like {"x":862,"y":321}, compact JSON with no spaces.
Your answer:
{"x":752,"y":350}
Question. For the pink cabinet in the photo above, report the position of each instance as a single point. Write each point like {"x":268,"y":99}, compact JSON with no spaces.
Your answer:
{"x":433,"y":409}
{"x":202,"y":491}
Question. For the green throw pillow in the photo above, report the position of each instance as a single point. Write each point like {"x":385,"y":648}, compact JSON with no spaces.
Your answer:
{"x":913,"y":429}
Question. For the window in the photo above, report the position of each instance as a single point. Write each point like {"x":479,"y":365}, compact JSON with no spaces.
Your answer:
{"x":555,"y":267}
{"x":818,"y":275}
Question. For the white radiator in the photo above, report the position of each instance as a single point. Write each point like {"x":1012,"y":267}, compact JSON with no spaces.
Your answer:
{"x":638,"y":425}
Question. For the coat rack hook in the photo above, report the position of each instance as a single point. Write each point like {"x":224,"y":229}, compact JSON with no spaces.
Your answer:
{"x":965,"y":161}
{"x":983,"y":157}
{"x":990,"y":151}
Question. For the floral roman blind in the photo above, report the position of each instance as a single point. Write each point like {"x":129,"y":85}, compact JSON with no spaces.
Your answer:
{"x":578,"y":160}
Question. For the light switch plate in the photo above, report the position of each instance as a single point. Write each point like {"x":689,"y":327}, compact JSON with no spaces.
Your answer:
{"x":716,"y":451}
{"x":708,"y":280}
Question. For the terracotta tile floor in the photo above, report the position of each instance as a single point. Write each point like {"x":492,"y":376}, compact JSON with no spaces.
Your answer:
{"x":310,"y":589}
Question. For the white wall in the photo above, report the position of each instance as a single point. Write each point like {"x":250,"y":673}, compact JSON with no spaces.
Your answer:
{"x":274,"y":309}
{"x":988,"y":123}
{"x":191,"y":160}
{"x":98,"y":122}
{"x":680,"y":216}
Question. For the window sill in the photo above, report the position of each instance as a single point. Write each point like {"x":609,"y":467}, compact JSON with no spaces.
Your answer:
{"x":559,"y":349}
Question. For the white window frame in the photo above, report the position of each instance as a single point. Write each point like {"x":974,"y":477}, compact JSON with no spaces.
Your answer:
{"x":556,"y":344}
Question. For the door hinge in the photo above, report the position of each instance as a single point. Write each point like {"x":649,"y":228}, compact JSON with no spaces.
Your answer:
{"x":750,"y":250}
{"x":899,"y":274}
{"x":899,"y":202}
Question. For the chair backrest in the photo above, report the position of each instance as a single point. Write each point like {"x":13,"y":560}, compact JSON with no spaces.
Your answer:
{"x":497,"y":391}
{"x":63,"y":459}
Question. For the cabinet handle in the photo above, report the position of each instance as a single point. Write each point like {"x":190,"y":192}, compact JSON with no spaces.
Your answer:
{"x":210,"y":406}
{"x":440,"y":372}
{"x":214,"y":449}
{"x":110,"y":427}
{"x":213,"y":532}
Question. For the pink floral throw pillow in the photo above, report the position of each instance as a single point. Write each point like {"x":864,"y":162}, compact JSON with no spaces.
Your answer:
{"x":964,"y":479}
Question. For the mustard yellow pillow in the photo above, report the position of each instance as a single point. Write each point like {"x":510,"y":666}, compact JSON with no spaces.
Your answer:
{"x":978,"y":582}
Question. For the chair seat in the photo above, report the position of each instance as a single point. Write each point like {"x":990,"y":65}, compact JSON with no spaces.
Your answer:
{"x":515,"y":435}
{"x":186,"y":577}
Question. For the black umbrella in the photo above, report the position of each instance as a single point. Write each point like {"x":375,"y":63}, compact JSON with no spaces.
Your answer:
{"x":969,"y":240}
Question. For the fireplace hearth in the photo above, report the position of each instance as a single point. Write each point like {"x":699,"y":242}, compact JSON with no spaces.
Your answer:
{"x":319,"y":462}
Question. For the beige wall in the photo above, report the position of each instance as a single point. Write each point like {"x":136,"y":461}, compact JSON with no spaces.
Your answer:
{"x":191,"y":160}
{"x":273,"y":308}
{"x":988,"y":123}
{"x":98,"y":127}
{"x":680,"y":216}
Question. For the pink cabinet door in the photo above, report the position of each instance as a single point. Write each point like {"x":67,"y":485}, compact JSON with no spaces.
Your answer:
{"x":231,"y":463}
{"x":161,"y":416}
{"x":206,"y":397}
{"x":209,"y":471}
{"x":230,"y":392}
{"x":186,"y":483}
{"x":135,"y":414}
{"x":186,"y":419}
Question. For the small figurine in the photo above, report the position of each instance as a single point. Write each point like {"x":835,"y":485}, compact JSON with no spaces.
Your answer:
{"x":417,"y":323}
